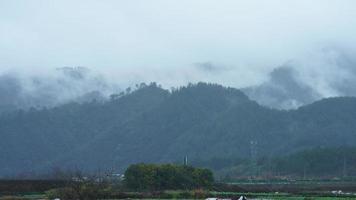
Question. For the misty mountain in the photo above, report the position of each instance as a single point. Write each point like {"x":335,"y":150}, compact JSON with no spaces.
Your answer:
{"x":151,"y":124}
{"x":283,"y":90}
{"x":65,"y":85}
{"x":290,"y":86}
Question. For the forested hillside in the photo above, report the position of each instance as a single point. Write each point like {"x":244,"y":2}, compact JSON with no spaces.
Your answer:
{"x":201,"y":121}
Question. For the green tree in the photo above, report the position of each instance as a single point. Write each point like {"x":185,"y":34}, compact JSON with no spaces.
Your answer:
{"x":167,"y":176}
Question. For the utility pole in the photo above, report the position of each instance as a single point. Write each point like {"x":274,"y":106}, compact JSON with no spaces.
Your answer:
{"x":186,"y":160}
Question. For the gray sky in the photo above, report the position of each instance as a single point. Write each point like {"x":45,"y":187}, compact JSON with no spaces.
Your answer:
{"x":165,"y":40}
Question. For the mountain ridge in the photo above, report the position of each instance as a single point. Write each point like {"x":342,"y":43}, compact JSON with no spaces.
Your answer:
{"x":154,"y":125}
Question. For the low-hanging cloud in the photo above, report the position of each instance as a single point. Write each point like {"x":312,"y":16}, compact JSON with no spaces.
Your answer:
{"x":326,"y":73}
{"x":63,"y":85}
{"x":266,"y":47}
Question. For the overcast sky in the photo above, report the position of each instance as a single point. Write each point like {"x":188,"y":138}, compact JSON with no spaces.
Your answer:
{"x":167,"y":41}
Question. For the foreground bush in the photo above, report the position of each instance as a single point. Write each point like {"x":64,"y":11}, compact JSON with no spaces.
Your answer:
{"x":81,"y":191}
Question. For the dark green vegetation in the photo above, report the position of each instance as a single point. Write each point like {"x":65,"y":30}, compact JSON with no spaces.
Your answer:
{"x":11,"y":187}
{"x":316,"y":163}
{"x":141,"y":181}
{"x":90,"y":189}
{"x":206,"y":122}
{"x":320,"y":162}
{"x":162,"y":177}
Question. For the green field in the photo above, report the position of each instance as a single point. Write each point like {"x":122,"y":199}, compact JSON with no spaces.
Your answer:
{"x":254,"y":196}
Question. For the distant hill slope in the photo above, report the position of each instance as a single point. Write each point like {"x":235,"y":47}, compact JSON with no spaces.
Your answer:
{"x":151,"y":124}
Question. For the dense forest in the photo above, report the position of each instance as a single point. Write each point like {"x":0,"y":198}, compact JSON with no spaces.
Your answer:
{"x":314,"y":163}
{"x":206,"y":122}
